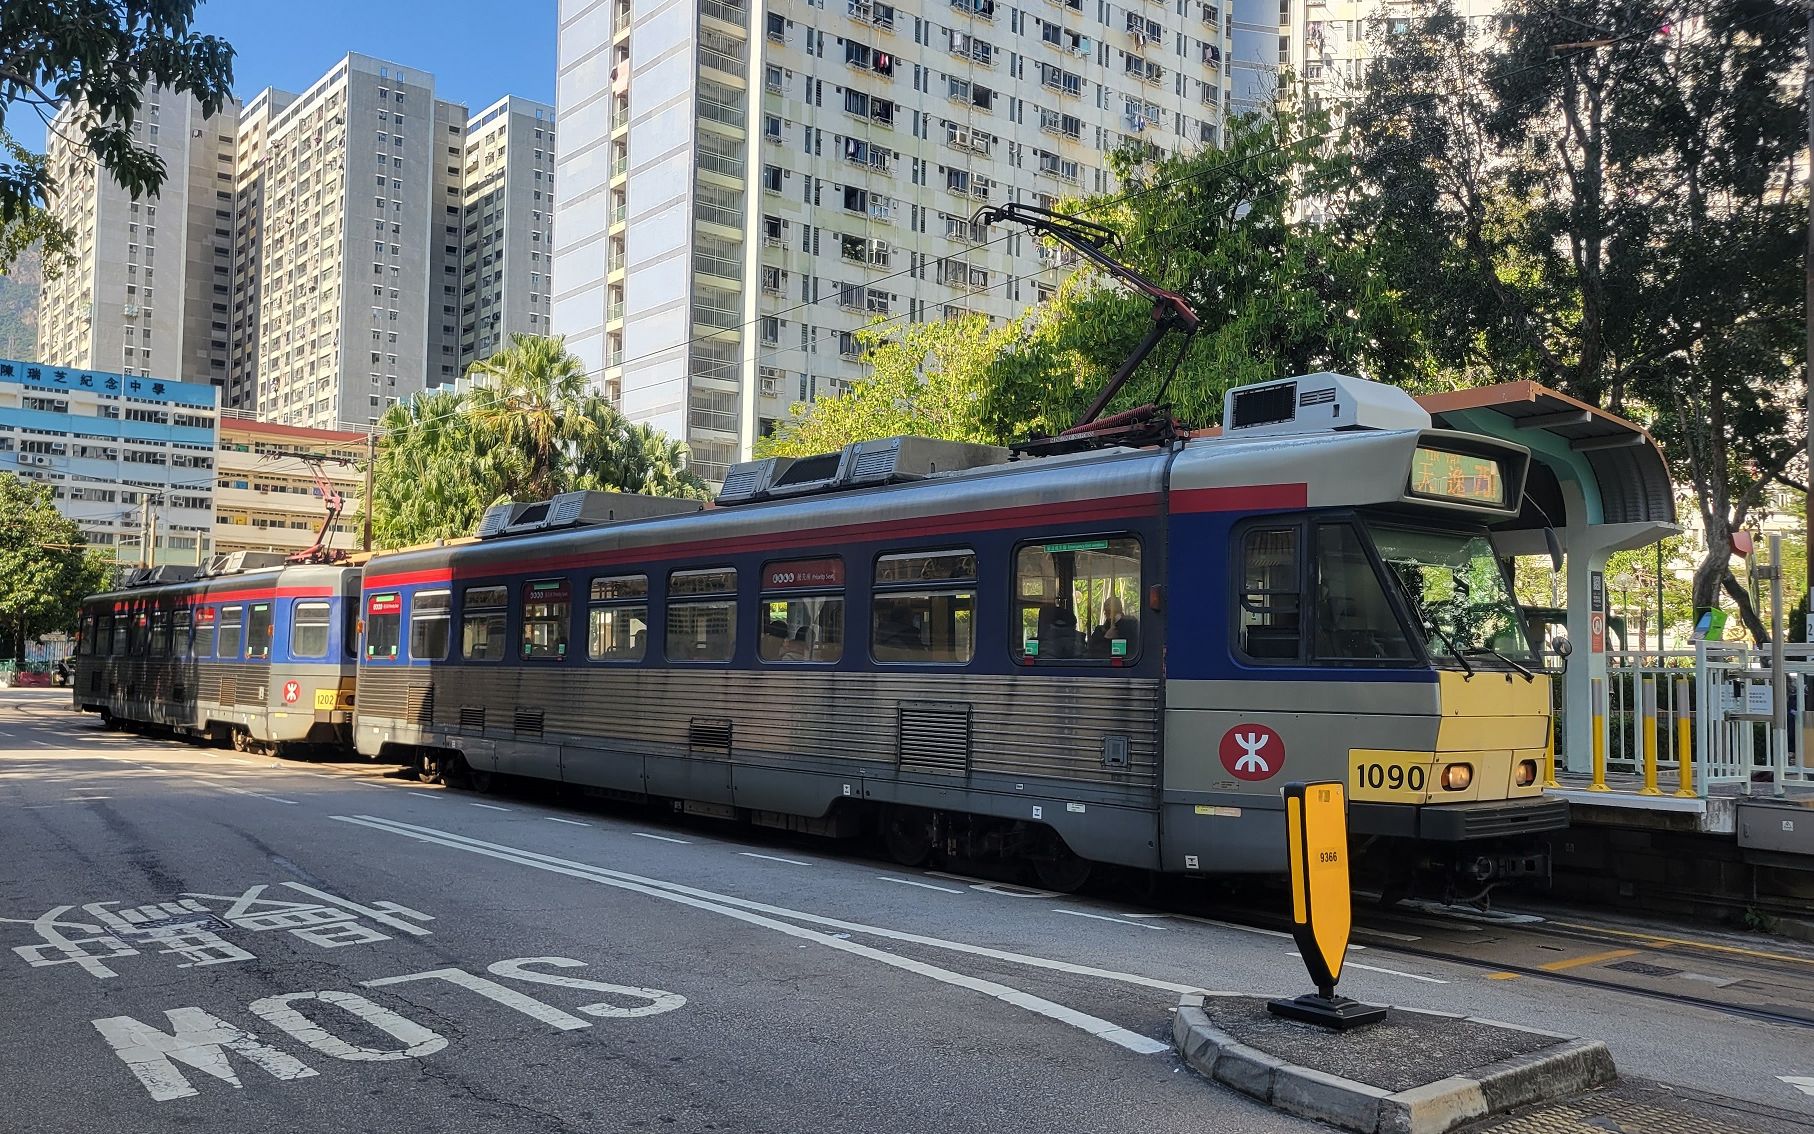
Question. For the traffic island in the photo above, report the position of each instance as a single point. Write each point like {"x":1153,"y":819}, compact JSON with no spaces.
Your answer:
{"x":1415,"y":1072}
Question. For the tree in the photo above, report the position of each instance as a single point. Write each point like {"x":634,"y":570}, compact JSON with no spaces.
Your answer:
{"x":1279,"y":294}
{"x":46,"y":568}
{"x":99,"y":55}
{"x":1602,"y":198}
{"x":930,"y":379}
{"x":528,"y":429}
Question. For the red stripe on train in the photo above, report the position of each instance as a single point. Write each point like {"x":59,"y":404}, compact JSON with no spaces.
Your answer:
{"x":1240,"y":498}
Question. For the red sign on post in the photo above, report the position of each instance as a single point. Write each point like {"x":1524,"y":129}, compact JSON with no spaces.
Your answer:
{"x":1252,"y":752}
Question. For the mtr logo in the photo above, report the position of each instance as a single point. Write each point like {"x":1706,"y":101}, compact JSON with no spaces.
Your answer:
{"x":1252,"y":752}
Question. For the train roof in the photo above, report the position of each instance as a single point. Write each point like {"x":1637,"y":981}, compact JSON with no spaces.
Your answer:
{"x":315,"y":575}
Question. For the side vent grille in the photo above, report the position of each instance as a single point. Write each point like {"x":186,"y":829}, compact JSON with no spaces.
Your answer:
{"x":934,"y":737}
{"x":709,"y":734}
{"x":472,"y":717}
{"x":419,"y":705}
{"x":229,"y":686}
{"x":528,"y":722}
{"x":740,"y":482}
{"x":875,"y":463}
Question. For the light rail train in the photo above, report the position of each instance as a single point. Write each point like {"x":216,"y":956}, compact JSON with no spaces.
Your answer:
{"x":1113,"y":656}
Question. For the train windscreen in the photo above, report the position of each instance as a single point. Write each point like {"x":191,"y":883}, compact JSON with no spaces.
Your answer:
{"x":1457,"y":594}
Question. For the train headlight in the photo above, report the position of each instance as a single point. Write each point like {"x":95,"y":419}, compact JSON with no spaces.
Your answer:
{"x":1457,"y":777}
{"x":1526,"y":774}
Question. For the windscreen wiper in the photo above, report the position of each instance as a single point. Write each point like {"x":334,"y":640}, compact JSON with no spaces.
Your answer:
{"x":1430,"y":625}
{"x":1528,"y":675}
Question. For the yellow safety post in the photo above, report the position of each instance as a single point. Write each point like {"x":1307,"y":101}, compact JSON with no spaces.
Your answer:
{"x":1599,"y":712}
{"x":1650,"y":738}
{"x":1684,"y":740}
{"x":1549,"y":757}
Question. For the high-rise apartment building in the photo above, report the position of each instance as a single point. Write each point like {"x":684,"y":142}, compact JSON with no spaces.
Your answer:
{"x":1327,"y":43}
{"x":147,"y":289}
{"x":508,"y":224}
{"x":266,"y":497}
{"x":741,"y":189}
{"x":251,"y":176}
{"x":348,"y":223}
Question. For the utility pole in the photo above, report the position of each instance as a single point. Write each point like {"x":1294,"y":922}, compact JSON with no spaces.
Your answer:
{"x":371,"y":439}
{"x":145,"y":530}
{"x":1807,"y":92}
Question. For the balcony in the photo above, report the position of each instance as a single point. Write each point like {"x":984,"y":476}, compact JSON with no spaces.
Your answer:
{"x":724,"y":114}
{"x":614,"y":312}
{"x":723,"y":62}
{"x":736,"y":15}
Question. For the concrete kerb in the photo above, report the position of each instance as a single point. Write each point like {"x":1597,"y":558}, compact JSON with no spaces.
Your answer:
{"x":1571,"y":1065}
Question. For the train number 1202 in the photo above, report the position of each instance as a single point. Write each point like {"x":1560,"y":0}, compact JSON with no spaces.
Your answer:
{"x":1397,"y":777}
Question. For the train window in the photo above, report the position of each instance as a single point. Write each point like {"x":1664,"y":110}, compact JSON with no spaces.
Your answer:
{"x":927,"y":623}
{"x":85,"y":636}
{"x":1078,"y":599}
{"x":482,"y":623}
{"x":118,"y":630}
{"x":1353,"y":619}
{"x":617,"y":621}
{"x":232,"y":632}
{"x":383,"y":625}
{"x":546,"y":610}
{"x":430,"y":623}
{"x":258,"y":631}
{"x":160,"y":634}
{"x":182,"y":633}
{"x":802,"y":627}
{"x":702,"y":629}
{"x":204,"y":631}
{"x":309,"y":623}
{"x":1270,"y":627}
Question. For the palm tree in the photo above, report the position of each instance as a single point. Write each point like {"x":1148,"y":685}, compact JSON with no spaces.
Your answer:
{"x":529,"y":396}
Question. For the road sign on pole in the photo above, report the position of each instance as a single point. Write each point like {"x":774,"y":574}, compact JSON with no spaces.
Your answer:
{"x":1316,"y":835}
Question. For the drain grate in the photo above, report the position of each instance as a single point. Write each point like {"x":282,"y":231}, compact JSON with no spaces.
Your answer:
{"x":1643,"y":969}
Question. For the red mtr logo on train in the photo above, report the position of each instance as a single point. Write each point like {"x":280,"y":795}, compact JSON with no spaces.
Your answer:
{"x":1252,"y":752}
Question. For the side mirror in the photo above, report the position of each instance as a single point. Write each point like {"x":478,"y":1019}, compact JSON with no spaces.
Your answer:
{"x":1554,"y":543}
{"x":1561,"y":647}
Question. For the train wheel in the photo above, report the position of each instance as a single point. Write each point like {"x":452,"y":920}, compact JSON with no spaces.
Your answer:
{"x":909,"y":835}
{"x":429,"y":767}
{"x":1062,"y":870}
{"x":241,"y":740}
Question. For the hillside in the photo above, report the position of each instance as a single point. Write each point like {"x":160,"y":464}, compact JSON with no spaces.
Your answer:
{"x":19,"y":307}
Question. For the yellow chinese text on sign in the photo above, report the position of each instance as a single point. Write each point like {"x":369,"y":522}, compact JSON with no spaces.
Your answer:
{"x":1317,"y":817}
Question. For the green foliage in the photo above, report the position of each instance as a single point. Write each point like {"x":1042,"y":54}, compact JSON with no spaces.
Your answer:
{"x":1603,"y":198}
{"x":1278,"y":295}
{"x":19,"y":289}
{"x":100,"y":55}
{"x":45,"y":566}
{"x":527,"y":430}
{"x":930,"y":379}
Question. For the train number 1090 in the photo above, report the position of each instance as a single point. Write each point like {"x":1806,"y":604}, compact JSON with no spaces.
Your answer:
{"x":1394,"y":776}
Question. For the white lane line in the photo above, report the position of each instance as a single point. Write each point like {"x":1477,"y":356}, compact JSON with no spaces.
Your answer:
{"x":772,"y":858}
{"x":1387,"y":934}
{"x":1377,"y":969}
{"x":367,"y":783}
{"x":569,"y":822}
{"x":1802,"y":1083}
{"x":921,"y":885}
{"x":491,"y":807}
{"x":1235,"y":925}
{"x":83,"y":798}
{"x":1105,"y":917}
{"x":277,"y":799}
{"x":1093,"y":1025}
{"x":663,"y":838}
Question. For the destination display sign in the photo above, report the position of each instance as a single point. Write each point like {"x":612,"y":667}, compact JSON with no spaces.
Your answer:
{"x":390,"y":602}
{"x":803,"y":574}
{"x":1467,"y":478}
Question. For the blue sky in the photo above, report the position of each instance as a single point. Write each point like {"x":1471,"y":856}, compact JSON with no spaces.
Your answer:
{"x":477,"y":50}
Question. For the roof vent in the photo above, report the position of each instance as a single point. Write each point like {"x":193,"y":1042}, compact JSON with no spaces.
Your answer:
{"x":576,"y":510}
{"x":1318,"y":403}
{"x":865,"y":464}
{"x":235,"y":562}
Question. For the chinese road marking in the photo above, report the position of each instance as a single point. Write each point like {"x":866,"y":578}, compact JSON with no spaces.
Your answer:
{"x":921,"y":885}
{"x":772,"y":858}
{"x":754,"y":913}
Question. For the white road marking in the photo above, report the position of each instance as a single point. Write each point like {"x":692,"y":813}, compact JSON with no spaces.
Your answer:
{"x":1005,"y":889}
{"x":417,"y":1040}
{"x":729,"y":907}
{"x":196,"y":1039}
{"x":1377,"y":969}
{"x":1235,"y":925}
{"x":1387,"y":934}
{"x":663,"y":838}
{"x":1802,"y":1083}
{"x":1105,"y":917}
{"x":772,"y":858}
{"x":493,"y":807}
{"x":569,"y":822}
{"x":1717,"y":982}
{"x":83,"y":798}
{"x":921,"y":885}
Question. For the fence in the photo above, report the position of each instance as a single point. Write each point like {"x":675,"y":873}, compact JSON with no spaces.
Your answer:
{"x":1691,"y":720}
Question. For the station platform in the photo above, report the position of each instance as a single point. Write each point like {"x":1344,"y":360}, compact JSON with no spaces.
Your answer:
{"x":1739,"y":854}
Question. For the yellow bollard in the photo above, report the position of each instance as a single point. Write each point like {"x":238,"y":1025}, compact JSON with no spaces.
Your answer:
{"x":1599,"y":706}
{"x":1650,"y":739}
{"x":1684,"y":740}
{"x":1549,"y":757}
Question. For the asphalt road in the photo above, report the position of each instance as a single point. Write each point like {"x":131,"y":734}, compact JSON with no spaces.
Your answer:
{"x":191,"y":938}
